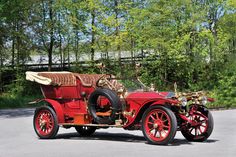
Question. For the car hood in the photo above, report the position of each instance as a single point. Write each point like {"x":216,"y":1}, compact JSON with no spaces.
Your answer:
{"x":150,"y":95}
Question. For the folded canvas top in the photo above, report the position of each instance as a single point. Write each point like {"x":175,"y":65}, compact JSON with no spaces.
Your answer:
{"x":63,"y":78}
{"x":52,"y":78}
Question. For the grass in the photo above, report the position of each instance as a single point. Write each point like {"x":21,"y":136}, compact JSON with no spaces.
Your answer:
{"x":8,"y":101}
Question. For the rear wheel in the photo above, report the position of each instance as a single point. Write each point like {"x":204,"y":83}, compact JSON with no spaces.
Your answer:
{"x":202,"y":128}
{"x":159,"y":125}
{"x":85,"y":130}
{"x":45,"y":122}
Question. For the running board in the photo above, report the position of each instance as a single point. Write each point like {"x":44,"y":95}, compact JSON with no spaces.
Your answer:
{"x":94,"y":125}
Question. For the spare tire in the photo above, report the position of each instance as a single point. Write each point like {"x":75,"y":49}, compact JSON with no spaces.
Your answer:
{"x":94,"y":106}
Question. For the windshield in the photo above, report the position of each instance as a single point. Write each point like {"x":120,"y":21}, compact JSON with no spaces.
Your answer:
{"x":122,"y":84}
{"x":133,"y":85}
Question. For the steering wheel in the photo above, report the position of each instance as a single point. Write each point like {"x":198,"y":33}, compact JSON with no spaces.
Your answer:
{"x":105,"y":78}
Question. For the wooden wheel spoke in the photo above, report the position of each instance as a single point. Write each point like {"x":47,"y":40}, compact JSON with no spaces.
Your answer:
{"x":155,"y":133}
{"x":202,"y":121}
{"x":150,"y":129}
{"x":166,"y":131}
{"x":150,"y":122}
{"x":165,"y":120}
{"x":196,"y":132}
{"x":152,"y":117}
{"x":160,"y":134}
{"x":166,"y":126}
{"x":50,"y":125}
{"x":200,"y":130}
{"x":161,"y":116}
{"x":198,"y":118}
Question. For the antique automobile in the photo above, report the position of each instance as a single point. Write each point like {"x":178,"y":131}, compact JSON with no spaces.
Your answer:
{"x":97,"y":101}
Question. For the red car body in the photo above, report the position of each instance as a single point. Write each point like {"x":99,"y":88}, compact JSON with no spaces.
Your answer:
{"x":77,"y":100}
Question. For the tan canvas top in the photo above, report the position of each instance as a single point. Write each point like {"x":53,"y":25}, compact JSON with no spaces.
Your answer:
{"x":88,"y":79}
{"x":52,"y":78}
{"x":63,"y":78}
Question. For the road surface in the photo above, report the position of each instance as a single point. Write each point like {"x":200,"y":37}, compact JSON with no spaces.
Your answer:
{"x":18,"y":139}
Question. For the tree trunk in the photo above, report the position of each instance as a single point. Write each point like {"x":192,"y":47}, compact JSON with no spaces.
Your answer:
{"x":1,"y":64}
{"x":1,"y":81}
{"x":13,"y":53}
{"x":18,"y":46}
{"x":60,"y":41}
{"x":234,"y":46}
{"x":50,"y":50}
{"x":142,"y":53}
{"x":68,"y":57}
{"x":1,"y":54}
{"x":76,"y":47}
{"x":132,"y":51}
{"x":118,"y":34}
{"x":107,"y":53}
{"x":60,"y":51}
{"x":93,"y":36}
{"x":18,"y":51}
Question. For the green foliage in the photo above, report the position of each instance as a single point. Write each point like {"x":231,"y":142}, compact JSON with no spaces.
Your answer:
{"x":184,"y":41}
{"x":225,"y":90}
{"x":7,"y":101}
{"x":21,"y":87}
{"x":19,"y":93}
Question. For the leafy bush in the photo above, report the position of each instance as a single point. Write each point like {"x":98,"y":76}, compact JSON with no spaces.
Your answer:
{"x":19,"y":93}
{"x":21,"y":87}
{"x":225,"y":90}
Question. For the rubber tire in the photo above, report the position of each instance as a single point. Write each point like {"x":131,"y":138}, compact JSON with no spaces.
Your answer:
{"x":114,"y":100}
{"x":56,"y":126}
{"x":173,"y":130}
{"x":85,"y":130}
{"x":205,"y":135}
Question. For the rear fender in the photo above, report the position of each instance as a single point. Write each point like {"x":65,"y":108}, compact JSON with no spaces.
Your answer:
{"x":56,"y":106}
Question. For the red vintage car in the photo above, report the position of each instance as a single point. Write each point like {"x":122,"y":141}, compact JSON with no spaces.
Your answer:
{"x":92,"y":101}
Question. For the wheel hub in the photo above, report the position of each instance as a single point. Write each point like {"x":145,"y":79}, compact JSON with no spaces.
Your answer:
{"x":157,"y":125}
{"x":43,"y":122}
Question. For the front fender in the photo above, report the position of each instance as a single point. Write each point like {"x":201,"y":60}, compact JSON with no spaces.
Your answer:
{"x":164,"y":102}
{"x":57,"y":108}
{"x":144,"y":106}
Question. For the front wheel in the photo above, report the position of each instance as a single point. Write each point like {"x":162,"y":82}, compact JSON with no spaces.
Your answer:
{"x":159,"y":125}
{"x":85,"y":130}
{"x":45,"y":122}
{"x":202,"y":128}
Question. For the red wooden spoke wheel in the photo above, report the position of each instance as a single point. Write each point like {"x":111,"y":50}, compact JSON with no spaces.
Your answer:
{"x":201,"y":127}
{"x":159,"y":125}
{"x":45,"y":122}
